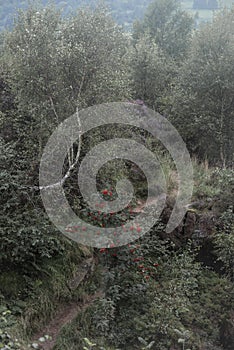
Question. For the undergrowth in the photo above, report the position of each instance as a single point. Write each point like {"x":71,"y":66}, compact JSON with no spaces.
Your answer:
{"x":33,"y":298}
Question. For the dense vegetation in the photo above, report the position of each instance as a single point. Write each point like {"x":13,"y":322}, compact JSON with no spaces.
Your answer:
{"x":163,"y":291}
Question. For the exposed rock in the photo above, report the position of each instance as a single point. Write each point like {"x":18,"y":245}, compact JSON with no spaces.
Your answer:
{"x":206,"y":223}
{"x":189,"y":224}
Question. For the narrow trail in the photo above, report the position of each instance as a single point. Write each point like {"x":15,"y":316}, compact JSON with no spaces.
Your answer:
{"x":66,"y":313}
{"x":64,"y":316}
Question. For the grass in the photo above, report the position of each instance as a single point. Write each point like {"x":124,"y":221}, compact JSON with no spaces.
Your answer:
{"x":52,"y":288}
{"x":72,"y":335}
{"x":33,"y":300}
{"x":196,"y":300}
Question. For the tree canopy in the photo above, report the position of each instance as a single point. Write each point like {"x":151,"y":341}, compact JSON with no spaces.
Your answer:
{"x":203,"y":101}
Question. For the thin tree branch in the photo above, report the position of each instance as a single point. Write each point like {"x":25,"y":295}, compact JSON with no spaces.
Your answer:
{"x":53,"y":108}
{"x":71,"y":166}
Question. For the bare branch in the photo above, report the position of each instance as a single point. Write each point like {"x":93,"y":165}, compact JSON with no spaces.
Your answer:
{"x":71,"y":166}
{"x":53,"y":108}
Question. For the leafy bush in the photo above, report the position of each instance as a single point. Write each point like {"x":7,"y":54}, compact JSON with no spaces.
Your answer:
{"x":7,"y":342}
{"x":20,"y":242}
{"x":26,"y":233}
{"x":179,"y":294}
{"x":224,"y":242}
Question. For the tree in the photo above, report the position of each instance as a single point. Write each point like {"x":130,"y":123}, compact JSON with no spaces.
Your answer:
{"x":203,"y":102}
{"x":56,"y":65}
{"x":168,"y":26}
{"x":51,"y":66}
{"x":160,"y":43}
{"x":152,"y":73}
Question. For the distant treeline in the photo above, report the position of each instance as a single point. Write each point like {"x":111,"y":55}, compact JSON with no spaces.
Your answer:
{"x":124,"y":11}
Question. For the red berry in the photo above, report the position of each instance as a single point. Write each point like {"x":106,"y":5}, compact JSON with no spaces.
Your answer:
{"x":136,"y":259}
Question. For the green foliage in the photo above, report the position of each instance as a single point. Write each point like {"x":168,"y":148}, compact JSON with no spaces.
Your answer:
{"x":37,"y":53}
{"x":38,"y":92}
{"x":23,"y":235}
{"x":152,"y":72}
{"x":224,"y":242}
{"x":6,"y":340}
{"x":168,"y":26}
{"x":202,"y":101}
{"x":181,"y":295}
{"x":11,"y":284}
{"x":47,"y":287}
{"x":160,"y":44}
{"x":155,"y":295}
{"x":214,"y":185}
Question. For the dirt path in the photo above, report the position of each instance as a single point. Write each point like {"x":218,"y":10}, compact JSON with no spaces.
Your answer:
{"x":64,"y":315}
{"x":67,"y":312}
